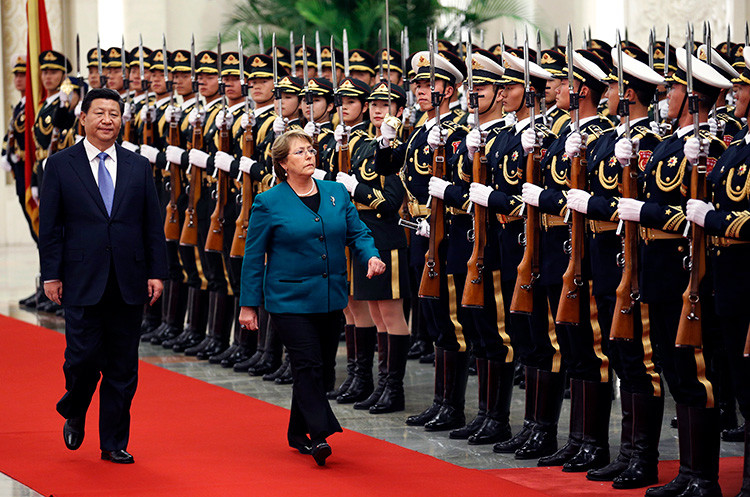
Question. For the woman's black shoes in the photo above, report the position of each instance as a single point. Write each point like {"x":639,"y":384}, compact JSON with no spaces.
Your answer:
{"x":320,"y":452}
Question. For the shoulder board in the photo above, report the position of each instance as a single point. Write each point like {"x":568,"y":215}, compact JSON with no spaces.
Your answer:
{"x":704,"y":133}
{"x":447,"y":123}
{"x":542,"y":129}
{"x":641,"y":131}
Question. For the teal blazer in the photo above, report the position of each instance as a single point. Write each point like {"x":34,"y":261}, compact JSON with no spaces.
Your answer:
{"x":303,"y":251}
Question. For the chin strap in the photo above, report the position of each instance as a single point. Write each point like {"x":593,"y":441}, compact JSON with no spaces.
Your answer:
{"x":494,"y":97}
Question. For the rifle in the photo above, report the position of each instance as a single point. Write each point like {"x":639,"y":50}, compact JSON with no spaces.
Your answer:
{"x":148,"y":126}
{"x":126,"y":88}
{"x":628,"y":293}
{"x":474,"y":287}
{"x":665,"y":128}
{"x":344,"y":159}
{"x":189,"y":236}
{"x":408,"y":123}
{"x":79,"y":126}
{"x":215,"y":238}
{"x":689,"y":330}
{"x":429,"y":286}
{"x":569,"y":307}
{"x":248,"y":147}
{"x":172,"y":219}
{"x":528,"y":269}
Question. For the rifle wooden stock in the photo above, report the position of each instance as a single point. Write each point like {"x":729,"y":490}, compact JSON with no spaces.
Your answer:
{"x":172,"y":218}
{"x":746,"y":352}
{"x":189,"y":236}
{"x":243,"y":220}
{"x":82,"y":131}
{"x":345,"y":158}
{"x":474,"y":286}
{"x":429,"y":286}
{"x":528,"y":270}
{"x":569,"y":307}
{"x":127,"y":133}
{"x":627,"y":293}
{"x":215,"y":238}
{"x":53,"y":143}
{"x":689,"y":331}
{"x":148,"y":133}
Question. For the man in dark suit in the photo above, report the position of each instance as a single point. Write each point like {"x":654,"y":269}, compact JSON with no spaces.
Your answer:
{"x":101,"y":241}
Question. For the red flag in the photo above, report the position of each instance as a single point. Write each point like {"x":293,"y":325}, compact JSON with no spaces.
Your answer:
{"x":37,"y":41}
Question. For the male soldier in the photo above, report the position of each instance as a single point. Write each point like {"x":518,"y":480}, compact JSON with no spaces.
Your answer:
{"x":664,"y":277}
{"x":113,"y":71}
{"x":641,"y":392}
{"x":327,"y":61}
{"x":506,"y":160}
{"x":580,"y":345}
{"x":722,"y":121}
{"x":362,"y":66}
{"x":554,"y":63}
{"x":725,"y":219}
{"x":92,"y":64}
{"x":415,"y":158}
{"x":660,"y":113}
{"x":138,"y":99}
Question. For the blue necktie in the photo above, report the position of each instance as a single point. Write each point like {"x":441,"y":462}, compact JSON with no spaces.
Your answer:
{"x":106,"y":187}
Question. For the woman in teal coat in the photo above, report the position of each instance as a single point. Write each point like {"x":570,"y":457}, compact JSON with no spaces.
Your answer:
{"x":295,"y":263}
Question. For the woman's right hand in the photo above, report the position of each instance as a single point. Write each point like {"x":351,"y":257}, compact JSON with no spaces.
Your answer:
{"x":249,"y":318}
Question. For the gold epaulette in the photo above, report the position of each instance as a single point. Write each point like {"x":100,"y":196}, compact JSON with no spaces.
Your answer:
{"x":706,"y":134}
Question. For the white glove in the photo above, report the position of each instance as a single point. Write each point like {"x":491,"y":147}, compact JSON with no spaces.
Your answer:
{"x":312,"y":128}
{"x":510,"y":119}
{"x":197,"y":158}
{"x":197,"y":117}
{"x":424,"y":228}
{"x":130,"y":146}
{"x":624,"y":150}
{"x":348,"y":180}
{"x":223,"y":161}
{"x":406,"y":115}
{"x":629,"y":209}
{"x":578,"y":200}
{"x":149,"y":152}
{"x":437,"y":137}
{"x":480,"y":194}
{"x":172,"y":112}
{"x":5,"y":164}
{"x":663,"y":109}
{"x":79,"y":138}
{"x":148,"y":113}
{"x":247,"y":121}
{"x":77,"y":110}
{"x":338,"y":134}
{"x":473,"y":141}
{"x":224,"y":120}
{"x":713,"y":125}
{"x":655,"y":129}
{"x":388,"y":131}
{"x":692,"y":148}
{"x":127,"y":113}
{"x":64,"y":99}
{"x":573,"y":144}
{"x":35,"y":195}
{"x":319,"y":174}
{"x":696,"y":211}
{"x":528,"y":140}
{"x":279,"y":125}
{"x":174,"y":154}
{"x":246,"y":163}
{"x":44,"y":164}
{"x":437,"y":186}
{"x":530,"y":194}
{"x":470,"y":120}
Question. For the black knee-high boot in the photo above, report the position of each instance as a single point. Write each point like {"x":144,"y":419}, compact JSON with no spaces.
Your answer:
{"x":474,"y":425}
{"x":496,"y":426}
{"x":437,"y":400}
{"x":370,"y":401}
{"x":362,"y":385}
{"x":517,"y":440}
{"x":392,"y":398}
{"x":350,"y":363}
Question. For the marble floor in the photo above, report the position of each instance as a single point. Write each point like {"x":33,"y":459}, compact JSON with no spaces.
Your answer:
{"x":18,"y":268}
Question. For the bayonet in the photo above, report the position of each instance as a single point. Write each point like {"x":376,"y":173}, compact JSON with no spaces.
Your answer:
{"x":515,"y":38}
{"x":102,"y":77}
{"x":556,"y":39}
{"x":729,"y":43}
{"x":542,"y":100}
{"x":306,"y":78}
{"x":481,"y":38}
{"x":222,"y":87}
{"x":569,"y":52}
{"x":243,"y":83}
{"x":292,"y":53}
{"x":747,"y":34}
{"x":693,"y":98}
{"x":388,"y":50}
{"x":334,"y":83}
{"x":276,"y":89}
{"x":627,"y":38}
{"x":346,"y":54}
{"x":125,"y":80}
{"x":590,"y":37}
{"x":318,"y":54}
{"x":502,"y":49}
{"x":624,"y":107}
{"x":666,"y":55}
{"x":167,"y":82}
{"x":380,"y":50}
{"x":584,"y":43}
{"x":193,"y":78}
{"x":261,"y":45}
{"x":530,"y":94}
{"x":473,"y":96}
{"x":78,"y":64}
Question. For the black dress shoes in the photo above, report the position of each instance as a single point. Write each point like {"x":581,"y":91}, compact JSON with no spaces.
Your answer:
{"x":117,"y":456}
{"x":73,"y":432}
{"x":301,"y":443}
{"x":320,"y":452}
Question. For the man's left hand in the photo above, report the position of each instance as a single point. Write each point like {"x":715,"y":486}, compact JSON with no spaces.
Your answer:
{"x":375,"y":267}
{"x":155,"y":287}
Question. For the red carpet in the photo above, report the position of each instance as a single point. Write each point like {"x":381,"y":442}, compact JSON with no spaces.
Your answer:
{"x":190,"y":438}
{"x":552,"y":481}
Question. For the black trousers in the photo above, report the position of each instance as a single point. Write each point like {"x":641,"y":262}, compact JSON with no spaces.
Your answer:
{"x":311,"y":341}
{"x":102,"y":342}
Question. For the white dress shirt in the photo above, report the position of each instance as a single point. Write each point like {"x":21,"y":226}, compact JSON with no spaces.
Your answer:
{"x":110,"y":162}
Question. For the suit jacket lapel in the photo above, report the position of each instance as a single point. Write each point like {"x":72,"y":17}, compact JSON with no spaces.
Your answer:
{"x":123,"y":179}
{"x":80,"y":164}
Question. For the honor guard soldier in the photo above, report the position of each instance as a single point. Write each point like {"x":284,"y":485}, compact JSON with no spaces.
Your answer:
{"x":283,"y":56}
{"x":415,"y":158}
{"x":320,"y":126}
{"x":299,"y":61}
{"x":327,"y":61}
{"x":92,"y":64}
{"x":725,"y":220}
{"x":484,"y":292}
{"x":267,"y":356}
{"x":554,"y":63}
{"x":663,"y":55}
{"x":664,"y":276}
{"x":579,"y":346}
{"x":114,"y":70}
{"x":378,"y":199}
{"x":392,"y":62}
{"x":362,"y":66}
{"x":629,"y":351}
{"x":722,"y":121}
{"x":506,"y":161}
{"x":132,"y":113}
